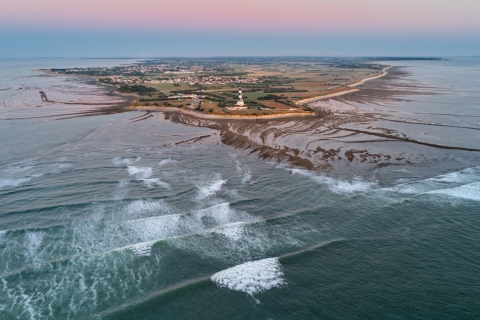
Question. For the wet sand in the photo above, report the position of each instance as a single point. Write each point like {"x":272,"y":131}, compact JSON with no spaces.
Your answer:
{"x":341,"y":137}
{"x":349,"y":132}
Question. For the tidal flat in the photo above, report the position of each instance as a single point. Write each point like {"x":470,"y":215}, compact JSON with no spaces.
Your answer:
{"x":366,"y":209}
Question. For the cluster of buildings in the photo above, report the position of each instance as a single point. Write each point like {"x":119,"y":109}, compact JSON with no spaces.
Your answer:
{"x":117,"y":80}
{"x":217,"y":80}
{"x":163,"y":68}
{"x":192,"y":80}
{"x":134,"y":69}
{"x":185,"y":97}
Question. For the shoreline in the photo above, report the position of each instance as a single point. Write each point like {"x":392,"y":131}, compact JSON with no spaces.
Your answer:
{"x":218,"y":116}
{"x":327,"y":96}
{"x":384,"y":73}
{"x":337,"y":94}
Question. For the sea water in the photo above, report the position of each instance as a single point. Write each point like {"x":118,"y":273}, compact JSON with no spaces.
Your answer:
{"x":107,"y":217}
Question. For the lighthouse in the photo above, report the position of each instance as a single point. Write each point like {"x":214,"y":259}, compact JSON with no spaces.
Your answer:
{"x":240,"y":102}
{"x":240,"y":105}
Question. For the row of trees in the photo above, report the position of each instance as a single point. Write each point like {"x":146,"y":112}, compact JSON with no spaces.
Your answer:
{"x":136,"y":88}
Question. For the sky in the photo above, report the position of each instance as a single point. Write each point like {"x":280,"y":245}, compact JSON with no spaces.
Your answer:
{"x":158,"y":28}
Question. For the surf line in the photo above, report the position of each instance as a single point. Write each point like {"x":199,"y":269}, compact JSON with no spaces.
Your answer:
{"x":4,"y":233}
{"x":205,"y":280}
{"x":204,"y":231}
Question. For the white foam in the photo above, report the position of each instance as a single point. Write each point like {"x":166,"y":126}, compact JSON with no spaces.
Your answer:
{"x":222,"y":214}
{"x":233,"y":232}
{"x":246,"y":173}
{"x":465,"y":175}
{"x":251,"y":277}
{"x":210,"y":189}
{"x":63,"y":165}
{"x":140,"y":173}
{"x":13,"y":170}
{"x":161,"y":227}
{"x":125,"y":161}
{"x":144,"y":174}
{"x":11,"y":182}
{"x":3,"y":233}
{"x":15,"y":182}
{"x":146,"y":208}
{"x":469,"y":191}
{"x":143,"y":249}
{"x":156,"y":181}
{"x":33,"y":243}
{"x":430,"y":185}
{"x":166,"y":161}
{"x":336,"y":185}
{"x":247,"y":176}
{"x":409,"y":188}
{"x":158,"y":228}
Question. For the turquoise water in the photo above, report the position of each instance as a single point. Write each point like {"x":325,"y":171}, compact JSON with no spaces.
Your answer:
{"x":104,"y":217}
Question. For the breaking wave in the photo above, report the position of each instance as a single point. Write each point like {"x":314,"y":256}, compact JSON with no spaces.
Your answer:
{"x":144,"y":174}
{"x":336,"y":185}
{"x":166,"y":161}
{"x":465,"y":175}
{"x":140,"y":173}
{"x":125,"y":161}
{"x":233,"y":232}
{"x":457,"y":181}
{"x":251,"y":277}
{"x":469,"y":191}
{"x":208,"y":190}
{"x":140,"y":209}
{"x":15,"y":182}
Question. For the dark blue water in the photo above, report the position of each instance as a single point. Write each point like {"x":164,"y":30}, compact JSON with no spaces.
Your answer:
{"x":103,"y":217}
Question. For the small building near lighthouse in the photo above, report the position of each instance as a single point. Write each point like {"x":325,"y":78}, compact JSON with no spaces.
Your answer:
{"x":240,"y":105}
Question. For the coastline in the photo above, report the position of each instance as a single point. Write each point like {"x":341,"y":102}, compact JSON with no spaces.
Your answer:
{"x":353,"y":86}
{"x":384,"y":73}
{"x":202,"y":115}
{"x":327,"y":96}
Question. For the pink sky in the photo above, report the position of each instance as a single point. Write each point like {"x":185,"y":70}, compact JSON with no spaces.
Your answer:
{"x":268,"y":16}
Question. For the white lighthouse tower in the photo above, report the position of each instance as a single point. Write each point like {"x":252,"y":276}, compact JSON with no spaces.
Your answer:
{"x":240,"y":102}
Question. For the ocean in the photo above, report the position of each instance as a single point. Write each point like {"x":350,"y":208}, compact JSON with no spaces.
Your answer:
{"x":133,"y":216}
